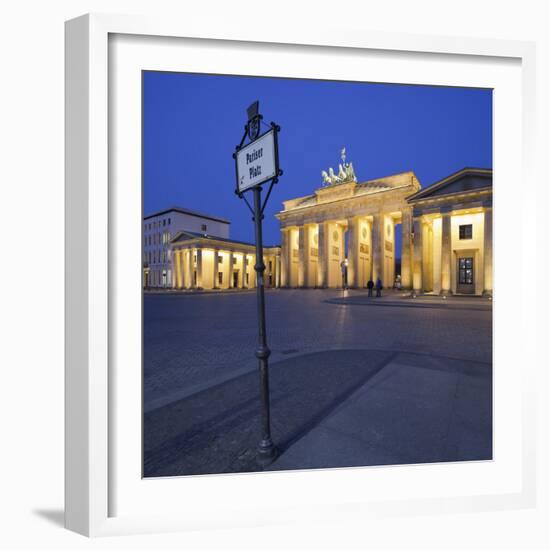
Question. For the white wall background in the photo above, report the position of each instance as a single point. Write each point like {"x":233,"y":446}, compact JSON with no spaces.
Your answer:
{"x":31,"y":275}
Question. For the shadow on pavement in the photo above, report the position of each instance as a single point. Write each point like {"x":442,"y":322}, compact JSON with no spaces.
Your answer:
{"x":217,"y":430}
{"x":334,"y":408}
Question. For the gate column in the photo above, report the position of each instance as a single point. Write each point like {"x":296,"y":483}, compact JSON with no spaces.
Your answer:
{"x":417,"y":256}
{"x":488,"y":252}
{"x":285,"y":255}
{"x":353,"y":252}
{"x":406,"y":231}
{"x":303,"y":255}
{"x":377,"y":252}
{"x":446,"y":253}
{"x":322,"y":264}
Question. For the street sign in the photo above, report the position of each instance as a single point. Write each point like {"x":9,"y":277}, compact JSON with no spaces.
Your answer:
{"x":257,"y":162}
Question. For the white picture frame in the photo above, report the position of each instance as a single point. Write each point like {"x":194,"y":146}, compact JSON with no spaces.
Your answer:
{"x":98,"y":417}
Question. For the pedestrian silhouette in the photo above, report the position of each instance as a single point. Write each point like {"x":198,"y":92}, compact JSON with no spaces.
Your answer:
{"x":370,"y":286}
{"x":378,"y":287}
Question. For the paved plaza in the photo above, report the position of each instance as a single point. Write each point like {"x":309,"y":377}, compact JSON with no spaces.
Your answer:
{"x":354,"y":380}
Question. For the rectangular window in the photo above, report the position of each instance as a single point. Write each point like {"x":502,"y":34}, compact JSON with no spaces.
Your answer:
{"x":220,"y":259}
{"x":465,"y":231}
{"x":220,"y":277}
{"x":203,"y":227}
{"x":234,"y":261}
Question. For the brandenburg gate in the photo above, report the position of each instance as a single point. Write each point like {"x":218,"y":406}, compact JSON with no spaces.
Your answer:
{"x":446,"y":232}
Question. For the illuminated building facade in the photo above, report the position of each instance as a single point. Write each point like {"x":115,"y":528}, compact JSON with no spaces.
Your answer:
{"x":159,"y":228}
{"x":202,"y":261}
{"x":345,"y":230}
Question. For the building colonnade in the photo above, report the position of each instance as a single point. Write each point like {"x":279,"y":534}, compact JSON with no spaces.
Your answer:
{"x":431,"y":247}
{"x":221,"y":268}
{"x":444,"y":241}
{"x":312,"y":254}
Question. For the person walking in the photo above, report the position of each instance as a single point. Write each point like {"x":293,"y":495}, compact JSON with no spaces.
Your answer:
{"x":378,"y":287}
{"x":370,"y":286}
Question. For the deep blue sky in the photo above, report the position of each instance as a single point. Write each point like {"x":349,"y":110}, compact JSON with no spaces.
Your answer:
{"x":192,"y":124}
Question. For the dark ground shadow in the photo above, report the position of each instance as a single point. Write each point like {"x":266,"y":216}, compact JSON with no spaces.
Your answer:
{"x":54,"y":516}
{"x":216,"y":431}
{"x":326,"y":412}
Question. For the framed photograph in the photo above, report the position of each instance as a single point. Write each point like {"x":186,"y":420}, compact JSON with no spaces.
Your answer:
{"x":288,"y":275}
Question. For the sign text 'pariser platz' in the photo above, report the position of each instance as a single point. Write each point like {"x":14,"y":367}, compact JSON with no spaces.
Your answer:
{"x":257,"y":162}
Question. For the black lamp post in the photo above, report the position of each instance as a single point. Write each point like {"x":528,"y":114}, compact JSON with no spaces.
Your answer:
{"x":266,"y":451}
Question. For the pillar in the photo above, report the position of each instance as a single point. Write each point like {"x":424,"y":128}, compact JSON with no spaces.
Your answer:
{"x":246,"y":271}
{"x":273,"y":271}
{"x":406,"y":233}
{"x":189,"y":271}
{"x":285,"y":255}
{"x":377,"y":252}
{"x":353,"y":252}
{"x":199,"y":267}
{"x":446,"y":253}
{"x":230,"y":270}
{"x":176,"y":278}
{"x":177,"y":268}
{"x":488,"y":252}
{"x":303,"y":256}
{"x":322,"y":262}
{"x":427,"y":256}
{"x":240,"y":278}
{"x":183,"y":264}
{"x":174,"y":262}
{"x":252,"y":281}
{"x":215,"y":269}
{"x":189,"y":268}
{"x":417,"y":256}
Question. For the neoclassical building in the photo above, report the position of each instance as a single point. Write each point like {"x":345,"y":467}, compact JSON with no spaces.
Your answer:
{"x":159,"y":228}
{"x":346,"y":227}
{"x":203,"y":261}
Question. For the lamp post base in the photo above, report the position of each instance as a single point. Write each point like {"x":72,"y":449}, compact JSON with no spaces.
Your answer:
{"x":266,"y":453}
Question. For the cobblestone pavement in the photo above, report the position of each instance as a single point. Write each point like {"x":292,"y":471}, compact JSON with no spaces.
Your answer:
{"x":192,"y":342}
{"x":354,"y":381}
